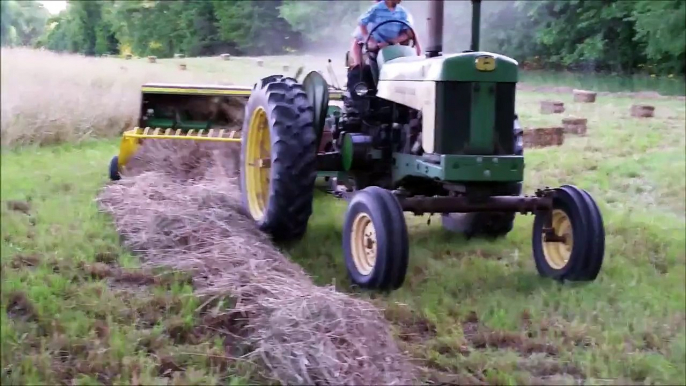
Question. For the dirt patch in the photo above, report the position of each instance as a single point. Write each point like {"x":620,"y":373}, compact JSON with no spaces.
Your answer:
{"x":19,"y":206}
{"x":20,"y":307}
{"x":482,"y":337}
{"x":413,"y":327}
{"x":22,"y":260}
{"x":179,"y":206}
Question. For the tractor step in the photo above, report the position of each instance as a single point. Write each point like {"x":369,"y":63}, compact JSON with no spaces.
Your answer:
{"x":193,"y":135}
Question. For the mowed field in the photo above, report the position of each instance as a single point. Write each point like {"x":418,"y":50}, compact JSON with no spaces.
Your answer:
{"x":470,"y":311}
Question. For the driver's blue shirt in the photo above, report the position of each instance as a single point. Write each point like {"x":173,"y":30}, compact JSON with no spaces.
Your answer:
{"x":378,"y":13}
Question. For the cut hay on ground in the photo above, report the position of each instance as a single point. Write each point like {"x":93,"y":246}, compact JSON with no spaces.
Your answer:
{"x":181,"y":208}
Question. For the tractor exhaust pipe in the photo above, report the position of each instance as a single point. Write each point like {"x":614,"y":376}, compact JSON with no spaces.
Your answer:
{"x":435,"y":21}
{"x":476,"y":24}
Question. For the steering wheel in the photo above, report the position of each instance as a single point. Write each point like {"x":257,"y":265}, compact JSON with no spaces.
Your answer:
{"x":371,"y":33}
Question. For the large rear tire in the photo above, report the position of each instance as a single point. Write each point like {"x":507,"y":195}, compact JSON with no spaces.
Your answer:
{"x":278,"y":158}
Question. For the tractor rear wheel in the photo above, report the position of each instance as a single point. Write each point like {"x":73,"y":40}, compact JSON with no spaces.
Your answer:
{"x":576,"y":220}
{"x":278,"y":158}
{"x":375,"y":241}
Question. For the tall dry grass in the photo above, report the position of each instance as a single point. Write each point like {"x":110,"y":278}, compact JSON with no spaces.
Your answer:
{"x":50,"y":98}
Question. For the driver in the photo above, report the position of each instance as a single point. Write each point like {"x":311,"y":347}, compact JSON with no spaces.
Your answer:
{"x":389,"y":33}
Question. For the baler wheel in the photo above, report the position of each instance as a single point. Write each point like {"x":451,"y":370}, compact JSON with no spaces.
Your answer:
{"x":278,"y":150}
{"x":114,"y":169}
{"x":375,"y":240}
{"x":578,"y":253}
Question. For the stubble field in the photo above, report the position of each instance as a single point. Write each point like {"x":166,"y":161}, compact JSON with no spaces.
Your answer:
{"x":77,"y":304}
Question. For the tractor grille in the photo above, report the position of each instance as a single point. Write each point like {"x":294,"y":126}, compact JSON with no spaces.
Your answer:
{"x":453,"y":117}
{"x":504,"y":118}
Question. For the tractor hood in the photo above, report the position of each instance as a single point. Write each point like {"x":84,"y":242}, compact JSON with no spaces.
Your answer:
{"x":462,"y":67}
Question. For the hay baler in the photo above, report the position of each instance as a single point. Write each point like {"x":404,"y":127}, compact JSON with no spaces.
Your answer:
{"x":430,"y":134}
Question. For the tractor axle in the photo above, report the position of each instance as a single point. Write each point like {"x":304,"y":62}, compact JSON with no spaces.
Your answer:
{"x":519,"y":204}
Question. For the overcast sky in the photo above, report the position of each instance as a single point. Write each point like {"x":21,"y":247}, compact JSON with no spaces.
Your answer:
{"x":54,"y":6}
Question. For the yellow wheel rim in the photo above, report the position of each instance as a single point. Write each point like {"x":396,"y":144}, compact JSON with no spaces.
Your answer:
{"x":363,"y":243}
{"x":257,"y":163}
{"x":557,"y":253}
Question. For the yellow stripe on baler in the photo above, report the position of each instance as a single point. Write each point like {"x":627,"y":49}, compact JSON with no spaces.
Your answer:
{"x":140,"y":133}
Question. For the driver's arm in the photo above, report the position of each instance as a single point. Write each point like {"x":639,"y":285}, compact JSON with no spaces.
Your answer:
{"x":370,"y":16}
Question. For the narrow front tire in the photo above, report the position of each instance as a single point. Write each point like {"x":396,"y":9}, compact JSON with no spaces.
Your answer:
{"x":577,"y":255}
{"x":375,"y":240}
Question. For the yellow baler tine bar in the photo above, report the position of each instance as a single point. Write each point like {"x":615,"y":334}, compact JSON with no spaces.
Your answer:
{"x":139,"y":133}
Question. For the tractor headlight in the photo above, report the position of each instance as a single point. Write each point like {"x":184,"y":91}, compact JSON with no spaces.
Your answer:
{"x":361,"y":89}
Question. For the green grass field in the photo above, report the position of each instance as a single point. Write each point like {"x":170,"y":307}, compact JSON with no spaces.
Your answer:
{"x":469,"y":312}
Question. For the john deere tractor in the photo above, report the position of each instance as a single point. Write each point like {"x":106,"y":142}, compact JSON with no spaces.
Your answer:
{"x":430,"y":134}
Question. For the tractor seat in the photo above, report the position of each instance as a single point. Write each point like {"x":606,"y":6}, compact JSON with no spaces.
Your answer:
{"x":386,"y":54}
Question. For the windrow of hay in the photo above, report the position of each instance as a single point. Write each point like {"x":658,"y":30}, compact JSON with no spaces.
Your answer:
{"x":180,"y":207}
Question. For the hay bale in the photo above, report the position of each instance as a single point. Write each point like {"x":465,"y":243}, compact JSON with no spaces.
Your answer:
{"x":105,"y":55}
{"x":225,"y":56}
{"x":286,"y":67}
{"x":152,"y":59}
{"x":128,"y":56}
{"x":576,"y":126}
{"x":552,"y":107}
{"x":260,"y":63}
{"x":179,"y":56}
{"x":584,"y":96}
{"x":182,"y":66}
{"x":642,"y":111}
{"x":543,"y":137}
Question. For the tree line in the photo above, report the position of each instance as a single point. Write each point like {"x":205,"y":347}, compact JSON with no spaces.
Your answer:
{"x":607,"y":35}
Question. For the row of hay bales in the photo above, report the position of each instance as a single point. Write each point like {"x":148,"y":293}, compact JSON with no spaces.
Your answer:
{"x":184,"y":66}
{"x":554,"y":136}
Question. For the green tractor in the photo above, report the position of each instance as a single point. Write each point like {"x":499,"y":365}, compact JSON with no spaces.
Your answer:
{"x":433,"y":134}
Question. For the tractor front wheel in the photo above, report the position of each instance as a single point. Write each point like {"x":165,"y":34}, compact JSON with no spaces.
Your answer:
{"x":375,"y":241}
{"x":278,"y":154}
{"x":573,"y":250}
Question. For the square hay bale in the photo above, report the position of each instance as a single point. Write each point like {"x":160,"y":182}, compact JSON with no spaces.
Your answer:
{"x":179,"y":56}
{"x":182,"y":66}
{"x":577,"y":126}
{"x":128,"y":56}
{"x":543,"y":137}
{"x":225,"y":56}
{"x":260,"y":63}
{"x":152,"y":59}
{"x":642,"y":111}
{"x":584,"y":96}
{"x":286,"y":67}
{"x":552,"y":107}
